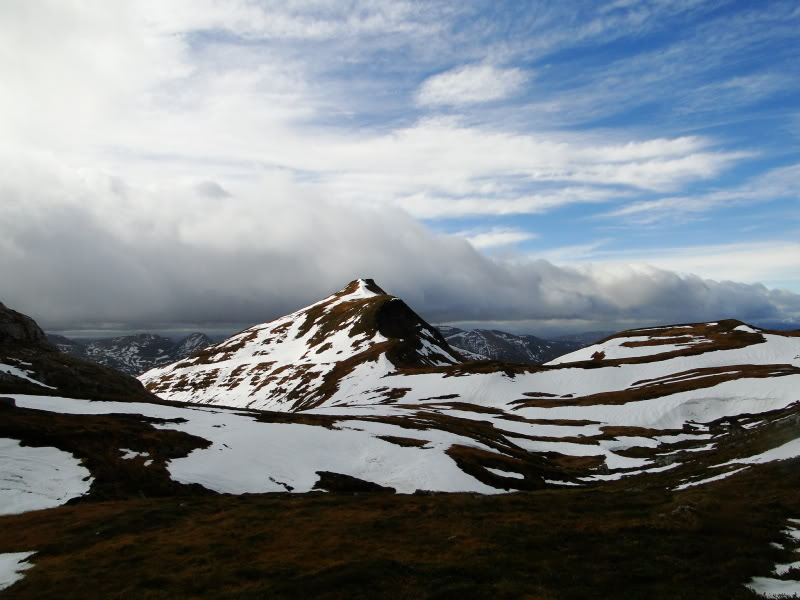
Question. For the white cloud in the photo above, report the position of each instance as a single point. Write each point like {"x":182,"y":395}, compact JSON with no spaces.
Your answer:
{"x":470,"y":84}
{"x":496,"y":237}
{"x":156,"y":91}
{"x":774,"y":184}
{"x":429,"y":206}
{"x":775,"y":263}
{"x":226,"y":160}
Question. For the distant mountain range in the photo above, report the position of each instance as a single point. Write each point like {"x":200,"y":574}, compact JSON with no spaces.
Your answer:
{"x":491,"y":344}
{"x":132,"y":354}
{"x":136,"y":354}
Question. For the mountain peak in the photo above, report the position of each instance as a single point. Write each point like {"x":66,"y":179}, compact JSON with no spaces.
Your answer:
{"x":305,"y":358}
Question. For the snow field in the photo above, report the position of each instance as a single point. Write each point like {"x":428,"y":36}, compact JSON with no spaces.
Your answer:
{"x":33,"y":478}
{"x":17,"y":372}
{"x":252,"y":456}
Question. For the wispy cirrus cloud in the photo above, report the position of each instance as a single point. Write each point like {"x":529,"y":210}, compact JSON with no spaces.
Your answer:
{"x":775,"y":184}
{"x":470,"y":84}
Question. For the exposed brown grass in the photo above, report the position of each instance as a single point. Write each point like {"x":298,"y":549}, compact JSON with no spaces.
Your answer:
{"x":562,"y":544}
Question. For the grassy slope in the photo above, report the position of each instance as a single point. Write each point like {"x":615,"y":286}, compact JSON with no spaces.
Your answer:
{"x":612,"y":543}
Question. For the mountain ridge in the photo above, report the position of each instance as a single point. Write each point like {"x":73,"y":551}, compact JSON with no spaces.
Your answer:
{"x":493,"y":344}
{"x":132,"y":354}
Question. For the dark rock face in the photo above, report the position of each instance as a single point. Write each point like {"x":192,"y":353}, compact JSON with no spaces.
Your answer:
{"x":30,"y":365}
{"x":394,"y":319}
{"x":347,"y":484}
{"x":18,"y":328}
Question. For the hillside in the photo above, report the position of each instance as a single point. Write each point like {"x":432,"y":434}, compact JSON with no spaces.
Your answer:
{"x":132,"y":354}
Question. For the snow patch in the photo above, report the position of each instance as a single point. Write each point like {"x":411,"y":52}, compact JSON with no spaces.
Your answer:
{"x":788,"y":450}
{"x":502,"y":473}
{"x":37,"y":478}
{"x":769,"y":587}
{"x":17,"y":372}
{"x":128,"y":454}
{"x":725,"y":475}
{"x":11,"y":566}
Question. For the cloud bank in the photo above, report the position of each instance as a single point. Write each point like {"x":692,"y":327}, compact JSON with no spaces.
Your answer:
{"x":85,"y":250}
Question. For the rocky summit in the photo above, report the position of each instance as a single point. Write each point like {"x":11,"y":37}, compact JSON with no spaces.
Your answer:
{"x":306,"y":358}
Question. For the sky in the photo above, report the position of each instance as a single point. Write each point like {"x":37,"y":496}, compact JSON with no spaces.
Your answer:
{"x":533,"y":166}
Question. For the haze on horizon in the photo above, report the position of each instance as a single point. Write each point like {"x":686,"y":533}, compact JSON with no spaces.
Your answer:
{"x":535,"y":167}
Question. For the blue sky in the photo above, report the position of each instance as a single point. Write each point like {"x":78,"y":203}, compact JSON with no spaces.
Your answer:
{"x":532,"y":165}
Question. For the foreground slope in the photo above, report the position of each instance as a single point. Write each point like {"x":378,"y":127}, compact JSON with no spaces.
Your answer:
{"x":709,"y":524}
{"x":299,"y":360}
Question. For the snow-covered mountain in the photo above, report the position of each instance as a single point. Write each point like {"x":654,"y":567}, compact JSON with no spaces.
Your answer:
{"x":491,"y":344}
{"x":299,"y":360}
{"x":683,"y":405}
{"x":132,"y":354}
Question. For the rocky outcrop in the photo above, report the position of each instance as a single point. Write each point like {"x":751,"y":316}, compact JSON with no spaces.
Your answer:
{"x":18,"y":328}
